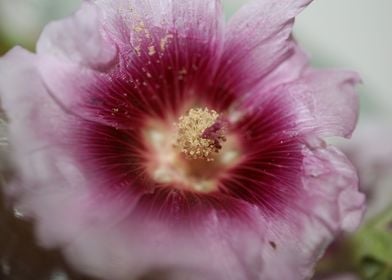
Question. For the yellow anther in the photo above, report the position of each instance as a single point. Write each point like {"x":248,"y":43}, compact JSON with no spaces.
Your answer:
{"x":193,"y":137}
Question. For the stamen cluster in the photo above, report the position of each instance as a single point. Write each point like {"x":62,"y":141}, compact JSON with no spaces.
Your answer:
{"x":194,"y":134}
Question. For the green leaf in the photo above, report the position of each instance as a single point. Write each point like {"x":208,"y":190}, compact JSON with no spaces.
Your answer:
{"x":373,"y":248}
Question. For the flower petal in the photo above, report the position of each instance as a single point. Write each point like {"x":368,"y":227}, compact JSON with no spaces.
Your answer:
{"x":35,"y":122}
{"x":129,"y":21}
{"x":257,"y":41}
{"x":162,"y":47}
{"x":323,"y":211}
{"x":331,"y":179}
{"x":371,"y":153}
{"x":220,"y":250}
{"x":288,"y":71}
{"x":27,"y":103}
{"x":78,"y":39}
{"x":330,"y":99}
{"x":39,"y":136}
{"x":34,"y":129}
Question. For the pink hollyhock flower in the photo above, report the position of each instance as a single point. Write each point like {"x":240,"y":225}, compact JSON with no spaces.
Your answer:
{"x":151,"y":138}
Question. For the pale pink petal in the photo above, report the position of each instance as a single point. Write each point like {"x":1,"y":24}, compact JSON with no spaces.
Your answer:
{"x":35,"y":138}
{"x":331,"y":189}
{"x":67,"y":84}
{"x":220,"y":250}
{"x":31,"y":134}
{"x":186,"y":37}
{"x":294,"y":243}
{"x":47,"y":176}
{"x":322,"y":213}
{"x":78,"y":39}
{"x":258,"y":40}
{"x":289,"y":70}
{"x":370,"y":150}
{"x":132,"y":22}
{"x":27,"y":104}
{"x":329,"y":99}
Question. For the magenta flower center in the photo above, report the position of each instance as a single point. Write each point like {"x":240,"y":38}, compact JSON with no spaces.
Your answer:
{"x":192,"y":153}
{"x":178,"y":138}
